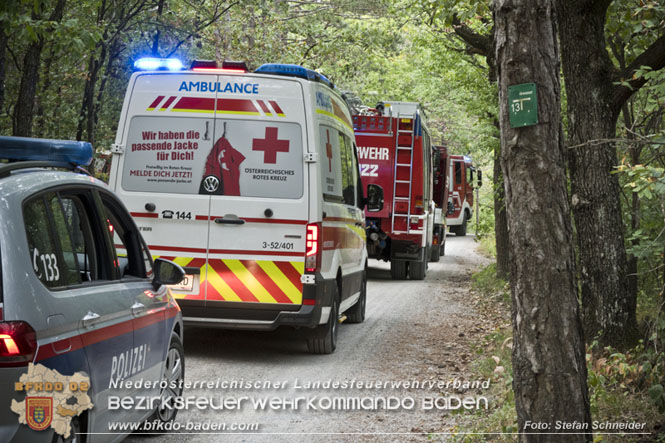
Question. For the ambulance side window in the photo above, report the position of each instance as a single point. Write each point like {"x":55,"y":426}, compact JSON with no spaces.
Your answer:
{"x":348,"y":179}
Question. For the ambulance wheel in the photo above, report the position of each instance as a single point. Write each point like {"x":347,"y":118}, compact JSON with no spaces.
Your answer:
{"x":435,"y":253}
{"x":75,"y":435}
{"x":398,"y":269}
{"x":173,"y":373}
{"x":324,"y":339}
{"x":418,"y":269}
{"x":357,"y":312}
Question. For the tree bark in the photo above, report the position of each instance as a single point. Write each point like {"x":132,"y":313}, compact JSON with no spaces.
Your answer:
{"x":3,"y":62}
{"x":500,"y":220}
{"x":607,"y":302}
{"x":548,"y":353}
{"x":25,"y":104}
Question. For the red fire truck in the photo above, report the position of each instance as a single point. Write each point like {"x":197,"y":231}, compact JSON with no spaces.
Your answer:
{"x":461,"y":193}
{"x":442,"y":205}
{"x":394,"y":152}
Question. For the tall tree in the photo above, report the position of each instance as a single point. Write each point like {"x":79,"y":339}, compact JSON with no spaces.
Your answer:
{"x":25,"y":103}
{"x":596,"y":91}
{"x":548,"y":353}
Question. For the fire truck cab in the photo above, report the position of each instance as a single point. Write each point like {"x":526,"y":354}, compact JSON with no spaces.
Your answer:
{"x":461,"y":193}
{"x":250,"y":181}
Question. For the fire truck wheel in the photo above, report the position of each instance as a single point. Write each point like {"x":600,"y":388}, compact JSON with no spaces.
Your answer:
{"x":398,"y":269}
{"x":461,"y":229}
{"x":356,"y":314}
{"x":435,"y":253}
{"x":324,"y":339}
{"x":418,"y":269}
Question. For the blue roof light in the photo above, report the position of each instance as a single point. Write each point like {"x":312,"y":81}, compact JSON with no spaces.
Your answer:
{"x":154,"y":64}
{"x":293,"y":71}
{"x":39,"y":149}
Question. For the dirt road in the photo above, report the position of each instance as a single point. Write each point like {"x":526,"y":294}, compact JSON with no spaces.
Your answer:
{"x":414,"y":332}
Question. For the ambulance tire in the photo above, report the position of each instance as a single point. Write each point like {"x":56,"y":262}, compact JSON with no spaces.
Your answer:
{"x":356,"y":314}
{"x":435,"y":253}
{"x":324,"y":339}
{"x":173,"y":372}
{"x":418,"y":269}
{"x":398,"y":269}
{"x":75,"y":435}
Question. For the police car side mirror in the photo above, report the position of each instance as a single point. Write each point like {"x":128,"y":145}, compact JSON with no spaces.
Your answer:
{"x":374,"y":198}
{"x":166,"y":273}
{"x":480,"y":178}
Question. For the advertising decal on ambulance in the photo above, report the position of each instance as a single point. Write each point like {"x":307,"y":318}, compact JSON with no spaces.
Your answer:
{"x":248,"y":159}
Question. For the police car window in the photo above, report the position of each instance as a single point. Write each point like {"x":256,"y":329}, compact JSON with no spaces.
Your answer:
{"x":75,"y":238}
{"x":60,"y":240}
{"x":130,"y":258}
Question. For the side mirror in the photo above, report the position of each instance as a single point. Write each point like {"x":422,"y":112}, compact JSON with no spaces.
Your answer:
{"x":374,"y":198}
{"x":166,"y":273}
{"x":480,"y":178}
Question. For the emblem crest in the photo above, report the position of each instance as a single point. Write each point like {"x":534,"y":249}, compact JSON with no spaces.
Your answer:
{"x":39,"y":412}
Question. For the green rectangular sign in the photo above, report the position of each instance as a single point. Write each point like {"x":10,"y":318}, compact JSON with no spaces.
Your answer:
{"x":523,"y":105}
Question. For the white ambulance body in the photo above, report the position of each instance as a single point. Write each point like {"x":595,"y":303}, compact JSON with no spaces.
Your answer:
{"x":250,"y":182}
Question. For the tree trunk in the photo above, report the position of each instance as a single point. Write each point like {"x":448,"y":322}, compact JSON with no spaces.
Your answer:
{"x":548,"y":353}
{"x":3,"y":62}
{"x":607,"y":303}
{"x":500,"y":220}
{"x":25,"y":102}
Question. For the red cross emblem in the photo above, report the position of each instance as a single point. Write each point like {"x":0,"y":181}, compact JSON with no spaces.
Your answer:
{"x":329,"y":151}
{"x":270,"y":146}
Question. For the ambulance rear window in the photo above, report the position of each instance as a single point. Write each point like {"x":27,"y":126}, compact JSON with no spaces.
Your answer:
{"x":214,"y":156}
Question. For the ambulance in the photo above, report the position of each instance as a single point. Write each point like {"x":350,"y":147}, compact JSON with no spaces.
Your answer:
{"x":250,"y":182}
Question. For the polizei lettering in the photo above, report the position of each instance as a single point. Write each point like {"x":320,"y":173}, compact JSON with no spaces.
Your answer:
{"x":237,"y":88}
{"x":127,"y":363}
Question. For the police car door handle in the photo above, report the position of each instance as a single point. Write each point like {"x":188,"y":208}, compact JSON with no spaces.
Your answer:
{"x":89,"y":317}
{"x":136,"y":307}
{"x":229,"y":221}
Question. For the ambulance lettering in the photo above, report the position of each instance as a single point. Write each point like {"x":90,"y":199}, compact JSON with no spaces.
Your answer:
{"x":128,"y":363}
{"x":236,"y":88}
{"x":221,"y":175}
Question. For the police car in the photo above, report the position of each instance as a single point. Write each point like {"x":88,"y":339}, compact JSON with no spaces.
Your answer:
{"x":250,"y":181}
{"x":84,"y":310}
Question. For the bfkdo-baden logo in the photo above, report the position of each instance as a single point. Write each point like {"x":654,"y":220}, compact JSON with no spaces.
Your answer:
{"x":52,"y":399}
{"x":39,"y":412}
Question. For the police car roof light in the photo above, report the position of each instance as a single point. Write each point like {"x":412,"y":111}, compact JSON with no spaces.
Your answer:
{"x":36,"y":149}
{"x":156,"y":64}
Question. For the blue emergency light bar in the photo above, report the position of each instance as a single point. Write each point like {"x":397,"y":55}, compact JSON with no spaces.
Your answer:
{"x":157,"y":64}
{"x":293,"y":71}
{"x":40,"y":149}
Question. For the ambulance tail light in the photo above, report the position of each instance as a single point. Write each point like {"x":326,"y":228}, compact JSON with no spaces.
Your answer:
{"x":18,"y":344}
{"x":158,"y":64}
{"x":312,"y":247}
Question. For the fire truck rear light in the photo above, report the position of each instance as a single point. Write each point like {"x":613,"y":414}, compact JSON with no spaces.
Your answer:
{"x":17,"y":343}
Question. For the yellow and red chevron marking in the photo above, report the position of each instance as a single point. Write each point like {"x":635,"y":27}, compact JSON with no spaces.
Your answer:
{"x":262,"y":281}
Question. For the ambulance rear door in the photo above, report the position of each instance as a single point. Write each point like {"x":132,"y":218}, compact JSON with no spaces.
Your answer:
{"x":168,"y":131}
{"x":256,"y":176}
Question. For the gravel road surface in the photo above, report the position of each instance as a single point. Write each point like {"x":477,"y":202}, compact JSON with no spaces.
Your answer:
{"x":414,"y":332}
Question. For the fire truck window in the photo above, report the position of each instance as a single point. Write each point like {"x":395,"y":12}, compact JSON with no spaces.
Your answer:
{"x":458,"y":173}
{"x":469,"y":175}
